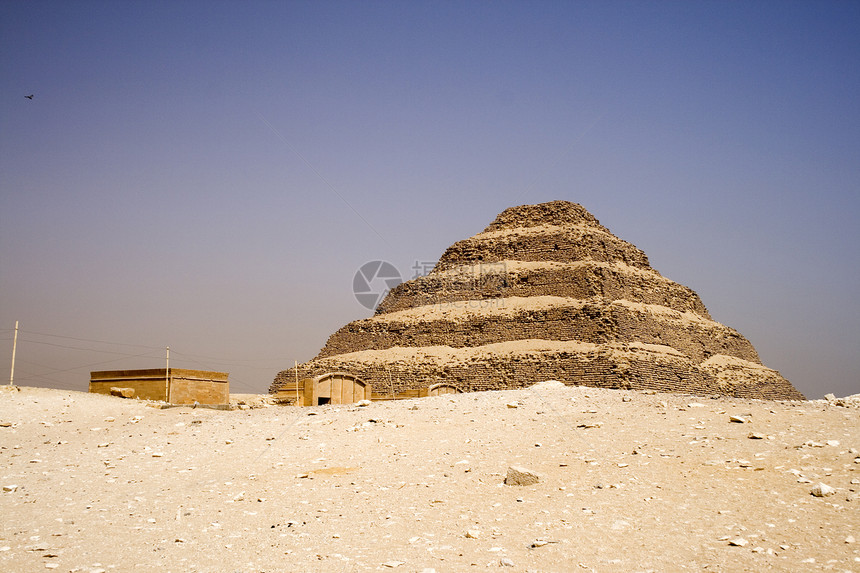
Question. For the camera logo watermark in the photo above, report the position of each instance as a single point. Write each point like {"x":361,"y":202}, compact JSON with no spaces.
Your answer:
{"x":372,"y":281}
{"x":475,"y":286}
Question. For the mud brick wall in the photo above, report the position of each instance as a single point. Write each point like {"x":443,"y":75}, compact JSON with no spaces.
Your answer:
{"x":580,"y":283}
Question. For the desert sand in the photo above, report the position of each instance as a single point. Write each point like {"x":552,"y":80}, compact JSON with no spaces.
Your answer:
{"x":628,"y":481}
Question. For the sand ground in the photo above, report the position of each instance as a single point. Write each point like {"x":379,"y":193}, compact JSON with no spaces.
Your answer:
{"x":630,"y":481}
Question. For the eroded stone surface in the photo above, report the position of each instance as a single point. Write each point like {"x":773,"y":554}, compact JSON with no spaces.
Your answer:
{"x":545,"y":292}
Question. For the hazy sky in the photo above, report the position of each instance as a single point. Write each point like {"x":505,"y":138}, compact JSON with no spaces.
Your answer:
{"x":210,"y":175}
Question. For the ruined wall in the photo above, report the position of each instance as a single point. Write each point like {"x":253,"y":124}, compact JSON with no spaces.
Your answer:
{"x":594,"y":321}
{"x":601,"y":371}
{"x":577,"y":281}
{"x":575,"y":244}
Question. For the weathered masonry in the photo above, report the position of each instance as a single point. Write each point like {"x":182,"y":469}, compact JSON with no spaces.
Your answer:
{"x":328,"y":388}
{"x":175,"y":386}
{"x":345,"y":388}
{"x":545,"y":292}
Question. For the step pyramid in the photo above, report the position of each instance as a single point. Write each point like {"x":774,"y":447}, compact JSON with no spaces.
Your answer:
{"x":545,"y":292}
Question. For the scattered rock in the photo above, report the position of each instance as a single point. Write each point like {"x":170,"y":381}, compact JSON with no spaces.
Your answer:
{"x":739,"y":542}
{"x":737,"y":419}
{"x":473,"y":534}
{"x":513,"y":404}
{"x":364,"y":404}
{"x":506,"y":562}
{"x":822,"y":490}
{"x":811,"y":444}
{"x":518,"y":475}
{"x":122,"y":392}
{"x":10,"y":488}
{"x":393,"y":564}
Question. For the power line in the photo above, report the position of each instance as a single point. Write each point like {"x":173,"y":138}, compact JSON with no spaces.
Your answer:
{"x":91,"y":364}
{"x":41,"y":373}
{"x":42,"y":342}
{"x":87,"y":339}
{"x":230,"y":360}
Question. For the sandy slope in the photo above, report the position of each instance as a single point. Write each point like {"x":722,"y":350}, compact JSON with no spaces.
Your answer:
{"x":631,"y":482}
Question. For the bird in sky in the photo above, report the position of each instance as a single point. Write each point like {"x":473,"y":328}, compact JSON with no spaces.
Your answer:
{"x":29,"y":96}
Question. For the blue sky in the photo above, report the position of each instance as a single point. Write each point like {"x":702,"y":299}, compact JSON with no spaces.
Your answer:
{"x":210,"y":175}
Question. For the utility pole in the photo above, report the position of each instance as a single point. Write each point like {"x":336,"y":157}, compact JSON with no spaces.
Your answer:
{"x":14,"y":347}
{"x":167,"y":377}
{"x":297,"y":383}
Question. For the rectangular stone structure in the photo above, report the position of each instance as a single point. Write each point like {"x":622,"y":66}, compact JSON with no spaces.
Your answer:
{"x":178,"y":386}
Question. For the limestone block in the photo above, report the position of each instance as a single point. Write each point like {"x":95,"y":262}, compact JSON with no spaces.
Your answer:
{"x":518,"y":475}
